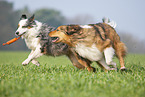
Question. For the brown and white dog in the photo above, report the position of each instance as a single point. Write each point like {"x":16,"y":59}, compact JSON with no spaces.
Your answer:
{"x":95,"y":42}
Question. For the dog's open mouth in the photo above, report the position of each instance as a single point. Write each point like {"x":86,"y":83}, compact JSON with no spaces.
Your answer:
{"x":22,"y":34}
{"x":54,"y":39}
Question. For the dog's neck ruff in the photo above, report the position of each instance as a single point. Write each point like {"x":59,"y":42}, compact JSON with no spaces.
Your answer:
{"x":92,"y":53}
{"x":31,"y":36}
{"x":33,"y":32}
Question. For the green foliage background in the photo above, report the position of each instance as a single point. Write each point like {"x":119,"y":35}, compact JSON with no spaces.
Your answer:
{"x":9,"y":19}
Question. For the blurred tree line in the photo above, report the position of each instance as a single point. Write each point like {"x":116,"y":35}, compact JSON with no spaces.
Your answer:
{"x":9,"y":19}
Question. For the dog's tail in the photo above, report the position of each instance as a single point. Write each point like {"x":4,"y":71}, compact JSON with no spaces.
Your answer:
{"x":111,"y":23}
{"x":120,"y":49}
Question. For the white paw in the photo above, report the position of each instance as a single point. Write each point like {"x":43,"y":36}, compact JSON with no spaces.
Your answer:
{"x":37,"y":64}
{"x":25,"y":62}
{"x":113,"y":64}
{"x":123,"y":69}
{"x":113,"y":69}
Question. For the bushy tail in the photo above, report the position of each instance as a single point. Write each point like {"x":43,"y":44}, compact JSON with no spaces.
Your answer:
{"x":120,"y":49}
{"x":111,"y":23}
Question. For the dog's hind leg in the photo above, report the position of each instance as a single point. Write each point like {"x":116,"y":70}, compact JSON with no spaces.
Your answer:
{"x":104,"y":66}
{"x":121,"y":50}
{"x":109,"y":53}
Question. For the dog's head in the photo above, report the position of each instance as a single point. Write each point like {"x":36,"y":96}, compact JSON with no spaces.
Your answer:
{"x":25,"y":24}
{"x":64,"y":33}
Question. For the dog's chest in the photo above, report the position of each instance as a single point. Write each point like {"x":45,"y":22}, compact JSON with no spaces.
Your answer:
{"x":32,"y":42}
{"x":92,"y":53}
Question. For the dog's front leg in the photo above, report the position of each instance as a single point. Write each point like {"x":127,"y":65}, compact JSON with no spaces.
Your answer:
{"x":26,"y":62}
{"x":79,"y":62}
{"x":34,"y":54}
{"x":35,"y":62}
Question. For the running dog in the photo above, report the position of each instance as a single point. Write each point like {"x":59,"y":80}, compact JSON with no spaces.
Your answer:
{"x":36,"y":38}
{"x":95,"y":42}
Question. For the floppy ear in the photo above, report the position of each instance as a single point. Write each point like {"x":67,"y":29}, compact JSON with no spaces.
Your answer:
{"x":23,"y":17}
{"x":31,"y":18}
{"x":71,"y":29}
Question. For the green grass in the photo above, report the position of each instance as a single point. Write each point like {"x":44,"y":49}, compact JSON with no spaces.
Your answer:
{"x":56,"y":77}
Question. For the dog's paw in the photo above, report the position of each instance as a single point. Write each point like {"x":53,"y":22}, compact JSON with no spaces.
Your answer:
{"x":113,"y":69}
{"x":123,"y":69}
{"x":37,"y":64}
{"x":24,"y":63}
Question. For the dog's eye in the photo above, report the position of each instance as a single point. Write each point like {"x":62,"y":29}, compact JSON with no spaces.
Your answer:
{"x":29,"y":27}
{"x":24,"y":26}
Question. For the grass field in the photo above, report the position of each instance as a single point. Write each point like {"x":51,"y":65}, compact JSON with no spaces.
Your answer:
{"x":56,"y":77}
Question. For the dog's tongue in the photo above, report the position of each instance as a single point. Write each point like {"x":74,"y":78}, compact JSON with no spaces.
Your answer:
{"x":54,"y":39}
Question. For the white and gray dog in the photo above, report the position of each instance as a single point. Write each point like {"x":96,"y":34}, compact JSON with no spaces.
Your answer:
{"x":30,"y":30}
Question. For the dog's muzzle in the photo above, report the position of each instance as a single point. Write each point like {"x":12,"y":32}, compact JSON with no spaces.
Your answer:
{"x":17,"y":33}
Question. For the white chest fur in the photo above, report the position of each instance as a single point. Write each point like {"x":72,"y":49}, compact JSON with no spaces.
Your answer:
{"x":92,"y":53}
{"x":32,"y":42}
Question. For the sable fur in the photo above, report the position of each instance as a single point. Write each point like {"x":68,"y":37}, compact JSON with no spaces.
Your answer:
{"x":102,"y":35}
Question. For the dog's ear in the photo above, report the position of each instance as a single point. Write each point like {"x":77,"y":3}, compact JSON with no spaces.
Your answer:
{"x":23,"y":17}
{"x":70,"y":32}
{"x":31,"y":18}
{"x":71,"y":29}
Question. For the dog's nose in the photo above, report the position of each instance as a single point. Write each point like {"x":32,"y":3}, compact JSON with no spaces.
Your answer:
{"x":17,"y":33}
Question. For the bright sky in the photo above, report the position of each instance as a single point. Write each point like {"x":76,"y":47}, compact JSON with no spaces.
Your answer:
{"x":128,"y":14}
